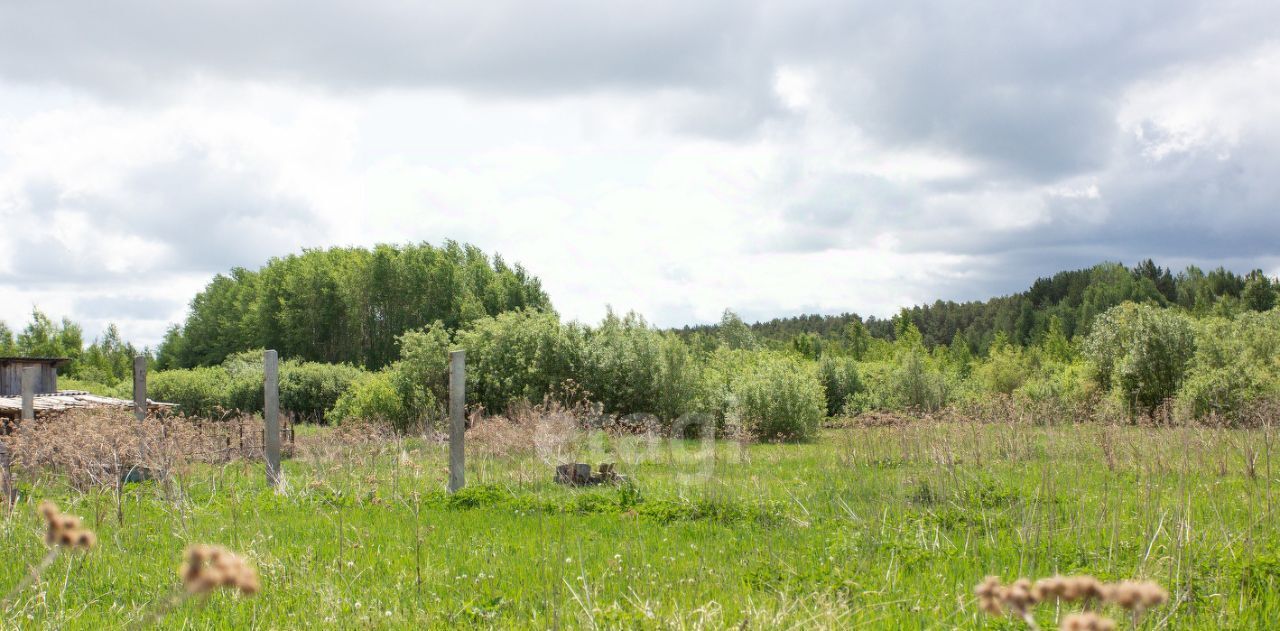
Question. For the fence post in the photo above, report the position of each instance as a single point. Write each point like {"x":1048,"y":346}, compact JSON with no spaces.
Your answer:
{"x":6,"y":479}
{"x":457,"y":419}
{"x":140,"y":402}
{"x":271,"y":415}
{"x":29,"y":376}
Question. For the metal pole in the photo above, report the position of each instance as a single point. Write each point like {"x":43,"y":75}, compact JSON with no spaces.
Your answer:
{"x":271,"y":415}
{"x":457,"y":419}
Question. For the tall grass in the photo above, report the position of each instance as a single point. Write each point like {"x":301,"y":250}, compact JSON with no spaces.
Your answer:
{"x":870,"y":527}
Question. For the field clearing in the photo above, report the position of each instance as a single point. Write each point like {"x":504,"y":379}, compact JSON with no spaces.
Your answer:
{"x":867,"y":527}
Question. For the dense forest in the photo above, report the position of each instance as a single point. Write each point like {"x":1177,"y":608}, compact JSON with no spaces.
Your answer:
{"x":364,"y":334}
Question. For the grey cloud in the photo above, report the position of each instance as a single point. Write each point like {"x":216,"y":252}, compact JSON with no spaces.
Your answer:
{"x":1206,"y":205}
{"x":843,"y":212}
{"x":1028,"y":88}
{"x":524,"y":47}
{"x":1202,"y":204}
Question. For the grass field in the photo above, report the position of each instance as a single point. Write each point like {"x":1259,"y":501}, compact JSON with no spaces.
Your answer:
{"x":868,"y":527}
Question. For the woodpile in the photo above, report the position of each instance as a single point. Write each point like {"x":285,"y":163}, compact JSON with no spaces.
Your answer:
{"x":580,"y":474}
{"x":71,"y":399}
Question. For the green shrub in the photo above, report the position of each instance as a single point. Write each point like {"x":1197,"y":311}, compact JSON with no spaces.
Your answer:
{"x":309,"y":389}
{"x":424,"y":360}
{"x":1006,"y":368}
{"x":918,"y":384}
{"x":374,"y":397}
{"x":1067,"y":384}
{"x":196,"y":391}
{"x":122,"y":390}
{"x":1236,"y":361}
{"x":839,"y":376}
{"x":1141,"y":353}
{"x":519,"y":355}
{"x":720,"y":373}
{"x":631,"y":368}
{"x":780,"y":397}
{"x":878,"y":388}
{"x":392,"y":395}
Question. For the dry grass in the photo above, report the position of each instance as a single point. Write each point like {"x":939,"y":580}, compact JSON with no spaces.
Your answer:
{"x":99,"y":447}
{"x":549,"y":429}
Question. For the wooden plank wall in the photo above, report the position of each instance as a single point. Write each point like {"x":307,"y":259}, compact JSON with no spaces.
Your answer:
{"x":11,"y":379}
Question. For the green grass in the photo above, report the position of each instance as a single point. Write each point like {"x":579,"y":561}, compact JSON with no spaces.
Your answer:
{"x":867,"y":528}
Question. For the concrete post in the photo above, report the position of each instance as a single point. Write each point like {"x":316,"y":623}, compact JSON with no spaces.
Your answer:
{"x":29,"y":377}
{"x":457,"y":419}
{"x":140,"y":402}
{"x":271,"y":415}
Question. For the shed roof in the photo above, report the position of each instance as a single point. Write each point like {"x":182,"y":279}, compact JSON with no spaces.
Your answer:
{"x":55,"y":361}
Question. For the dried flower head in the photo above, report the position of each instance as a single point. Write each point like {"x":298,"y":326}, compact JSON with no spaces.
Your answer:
{"x":1018,"y":596}
{"x":1087,"y":621}
{"x":1137,"y":595}
{"x":988,"y":593}
{"x":65,"y":530}
{"x":1021,"y":596}
{"x":206,"y":568}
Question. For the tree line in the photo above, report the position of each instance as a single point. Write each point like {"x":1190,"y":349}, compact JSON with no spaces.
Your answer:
{"x":346,"y":305}
{"x":1108,"y":339}
{"x":1074,"y":298}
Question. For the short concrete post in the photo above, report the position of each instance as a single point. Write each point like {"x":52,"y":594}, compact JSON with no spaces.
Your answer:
{"x":29,"y":377}
{"x":457,"y":419}
{"x":7,"y":490}
{"x":271,"y":415}
{"x":140,"y":402}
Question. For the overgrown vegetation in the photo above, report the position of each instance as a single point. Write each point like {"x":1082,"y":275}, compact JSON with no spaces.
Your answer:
{"x":1104,"y":342}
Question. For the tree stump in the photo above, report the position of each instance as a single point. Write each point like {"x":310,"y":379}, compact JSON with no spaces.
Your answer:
{"x":579,"y":474}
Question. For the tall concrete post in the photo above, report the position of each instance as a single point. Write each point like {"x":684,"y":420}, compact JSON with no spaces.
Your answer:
{"x":457,"y":419}
{"x":140,"y":402}
{"x":271,"y":415}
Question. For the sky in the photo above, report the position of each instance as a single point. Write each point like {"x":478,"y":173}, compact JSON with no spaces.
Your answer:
{"x":673,"y":158}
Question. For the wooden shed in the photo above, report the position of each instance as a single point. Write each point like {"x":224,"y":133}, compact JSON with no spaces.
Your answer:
{"x":46,"y":374}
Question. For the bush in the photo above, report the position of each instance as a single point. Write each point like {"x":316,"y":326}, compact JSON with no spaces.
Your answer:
{"x":1141,"y":353}
{"x":721,"y":372}
{"x":780,"y":398}
{"x":878,"y":391}
{"x":393,"y":395}
{"x":309,"y":389}
{"x":424,"y":360}
{"x":1235,"y":362}
{"x":918,"y":384}
{"x":839,"y":376}
{"x":122,"y":390}
{"x":631,"y":368}
{"x":196,"y":391}
{"x":519,"y":355}
{"x":1004,"y":371}
{"x":375,"y":397}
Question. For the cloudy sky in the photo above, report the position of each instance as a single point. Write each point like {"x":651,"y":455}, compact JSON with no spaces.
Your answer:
{"x":673,"y":158}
